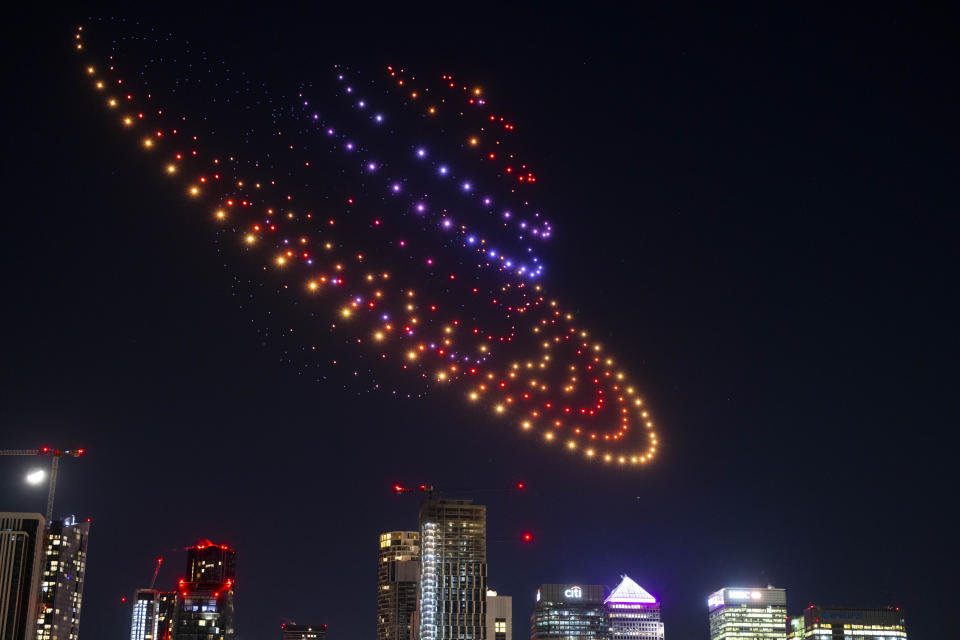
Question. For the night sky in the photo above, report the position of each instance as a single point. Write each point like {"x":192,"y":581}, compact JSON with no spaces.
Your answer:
{"x":755,"y":208}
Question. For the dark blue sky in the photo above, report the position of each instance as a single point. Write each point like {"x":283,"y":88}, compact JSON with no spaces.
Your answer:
{"x":756,"y":205}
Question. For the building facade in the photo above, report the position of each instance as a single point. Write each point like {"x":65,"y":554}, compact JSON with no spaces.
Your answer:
{"x":569,"y":611}
{"x":61,"y":586}
{"x":398,"y":574}
{"x":832,"y":623}
{"x":153,"y":613}
{"x":748,"y":614}
{"x":499,"y":616}
{"x":303,"y":631}
{"x":21,"y":566}
{"x":634,"y":614}
{"x":204,"y":609}
{"x":453,"y":570}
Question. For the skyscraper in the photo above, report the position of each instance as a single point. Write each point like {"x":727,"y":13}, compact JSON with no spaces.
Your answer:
{"x":754,"y":614}
{"x":397,"y":576}
{"x":204,"y":608}
{"x":634,"y":613}
{"x":211,"y":563}
{"x":499,"y":616}
{"x":153,"y":612}
{"x":826,"y":623}
{"x":453,"y":570}
{"x":303,"y":631}
{"x":61,"y":586}
{"x":21,"y":564}
{"x":565,"y":611}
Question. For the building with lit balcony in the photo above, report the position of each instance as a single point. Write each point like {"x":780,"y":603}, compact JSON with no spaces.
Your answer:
{"x":153,"y":612}
{"x":21,"y":567}
{"x":748,"y":614}
{"x":397,"y":576}
{"x":289,"y":631}
{"x":569,"y":612}
{"x":634,"y":614}
{"x":833,"y":623}
{"x":61,"y":585}
{"x":453,"y":570}
{"x":499,"y":616}
{"x":204,"y":609}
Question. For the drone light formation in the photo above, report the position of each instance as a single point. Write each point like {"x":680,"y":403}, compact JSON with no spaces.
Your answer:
{"x":412,"y":244}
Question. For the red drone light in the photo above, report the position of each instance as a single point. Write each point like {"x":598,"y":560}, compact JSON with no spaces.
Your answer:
{"x":527,"y":537}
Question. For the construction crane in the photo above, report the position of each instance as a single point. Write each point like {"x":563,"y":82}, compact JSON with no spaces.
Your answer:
{"x":55,"y":455}
{"x":433,"y":493}
{"x":153,"y":581}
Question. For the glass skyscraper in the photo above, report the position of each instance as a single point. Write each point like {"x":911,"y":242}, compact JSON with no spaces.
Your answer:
{"x":21,"y":563}
{"x":832,"y":623}
{"x":569,"y":611}
{"x":634,"y":613}
{"x":748,"y":614}
{"x":453,"y":570}
{"x":204,"y":608}
{"x":61,"y":586}
{"x":153,"y":615}
{"x":397,"y":576}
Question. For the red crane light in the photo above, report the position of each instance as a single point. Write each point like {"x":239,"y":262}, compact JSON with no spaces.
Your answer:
{"x":521,"y":486}
{"x":527,"y":537}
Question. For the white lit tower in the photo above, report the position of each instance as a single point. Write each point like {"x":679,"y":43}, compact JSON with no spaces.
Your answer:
{"x":634,"y":613}
{"x":453,"y":570}
{"x":754,"y":614}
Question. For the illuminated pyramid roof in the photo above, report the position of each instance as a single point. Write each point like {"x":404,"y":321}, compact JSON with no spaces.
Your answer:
{"x":629,"y":592}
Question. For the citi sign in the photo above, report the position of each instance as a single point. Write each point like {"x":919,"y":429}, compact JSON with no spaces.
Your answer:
{"x":573,"y":592}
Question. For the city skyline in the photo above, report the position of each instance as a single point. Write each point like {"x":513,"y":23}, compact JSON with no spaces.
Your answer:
{"x":750,"y":208}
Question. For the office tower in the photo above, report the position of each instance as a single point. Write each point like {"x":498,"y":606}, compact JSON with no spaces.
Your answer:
{"x":21,"y":564}
{"x":634,"y":613}
{"x":211,"y":563}
{"x":153,"y":612}
{"x":499,"y":616}
{"x":303,"y":631}
{"x":397,"y":576}
{"x":565,"y":611}
{"x":453,"y":570}
{"x":61,"y":585}
{"x":827,"y":623}
{"x":204,"y":608}
{"x":754,"y":614}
